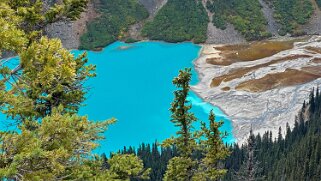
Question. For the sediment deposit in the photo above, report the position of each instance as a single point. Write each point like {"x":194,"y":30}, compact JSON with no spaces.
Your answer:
{"x":264,"y":92}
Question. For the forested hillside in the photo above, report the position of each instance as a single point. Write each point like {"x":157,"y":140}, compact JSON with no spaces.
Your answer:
{"x":246,"y":16}
{"x":188,"y":20}
{"x":291,"y":13}
{"x":112,"y":25}
{"x":179,"y":21}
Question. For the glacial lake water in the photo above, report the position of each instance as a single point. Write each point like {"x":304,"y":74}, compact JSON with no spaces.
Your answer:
{"x":134,"y":85}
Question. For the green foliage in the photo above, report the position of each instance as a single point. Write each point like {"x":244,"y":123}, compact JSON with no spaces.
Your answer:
{"x":179,"y":168}
{"x":318,"y":3}
{"x":12,"y":38}
{"x":207,"y":142}
{"x":181,"y":117}
{"x":291,"y":13}
{"x":154,"y":157}
{"x":42,"y":96}
{"x":115,"y":18}
{"x":51,"y":76}
{"x":246,"y":16}
{"x":213,"y":148}
{"x":54,"y":149}
{"x":179,"y":21}
{"x":127,"y":166}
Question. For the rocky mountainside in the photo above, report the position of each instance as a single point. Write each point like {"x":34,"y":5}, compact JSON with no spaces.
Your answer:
{"x":70,"y":32}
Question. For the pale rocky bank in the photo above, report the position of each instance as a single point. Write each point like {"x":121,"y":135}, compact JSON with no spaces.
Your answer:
{"x":254,"y":93}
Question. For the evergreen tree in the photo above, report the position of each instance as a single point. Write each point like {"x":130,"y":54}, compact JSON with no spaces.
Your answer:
{"x":214,"y":150}
{"x":295,"y":156}
{"x":181,"y":167}
{"x":199,"y":150}
{"x":250,"y":169}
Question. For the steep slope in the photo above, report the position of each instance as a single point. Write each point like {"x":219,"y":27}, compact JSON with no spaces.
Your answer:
{"x":219,"y":36}
{"x":153,"y":6}
{"x":314,"y":25}
{"x":272,"y":25}
{"x":178,"y":21}
{"x":242,"y":21}
{"x":70,"y":32}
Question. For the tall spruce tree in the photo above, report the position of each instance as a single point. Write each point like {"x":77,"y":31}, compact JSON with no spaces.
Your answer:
{"x":206,"y":143}
{"x":180,"y":168}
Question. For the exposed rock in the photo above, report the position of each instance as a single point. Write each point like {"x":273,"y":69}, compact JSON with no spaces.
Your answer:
{"x":70,"y":32}
{"x":218,"y":36}
{"x":266,"y":109}
{"x":268,"y":12}
{"x":227,"y":36}
{"x":153,"y":6}
{"x":313,"y":27}
{"x":134,"y":31}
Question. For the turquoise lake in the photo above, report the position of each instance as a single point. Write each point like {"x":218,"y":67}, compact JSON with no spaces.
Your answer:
{"x":134,"y":85}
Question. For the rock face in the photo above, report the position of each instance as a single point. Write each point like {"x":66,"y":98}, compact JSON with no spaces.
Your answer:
{"x":314,"y":25}
{"x":218,"y":36}
{"x":70,"y":32}
{"x":266,"y":93}
{"x":268,"y":12}
{"x":153,"y":6}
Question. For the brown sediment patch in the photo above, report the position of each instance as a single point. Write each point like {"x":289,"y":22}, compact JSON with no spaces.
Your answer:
{"x":226,"y":89}
{"x":316,"y":60}
{"x":218,"y":61}
{"x":313,"y":49}
{"x":289,"y":77}
{"x":249,"y":52}
{"x":313,"y":70}
{"x":238,"y":73}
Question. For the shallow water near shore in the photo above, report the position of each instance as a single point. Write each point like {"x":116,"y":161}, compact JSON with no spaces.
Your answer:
{"x":134,"y":85}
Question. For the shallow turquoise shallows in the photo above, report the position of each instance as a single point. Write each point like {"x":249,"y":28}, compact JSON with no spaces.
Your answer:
{"x":134,"y":85}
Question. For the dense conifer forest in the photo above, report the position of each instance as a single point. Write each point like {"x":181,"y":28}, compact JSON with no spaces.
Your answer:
{"x":294,"y":154}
